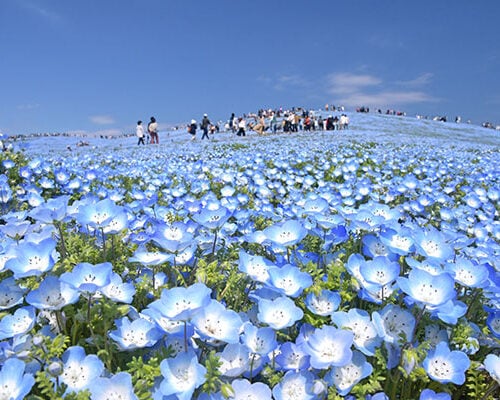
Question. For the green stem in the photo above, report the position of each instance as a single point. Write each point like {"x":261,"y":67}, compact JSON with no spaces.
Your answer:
{"x":64,"y":252}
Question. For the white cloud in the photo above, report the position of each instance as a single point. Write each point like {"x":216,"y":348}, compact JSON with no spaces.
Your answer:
{"x":354,"y":90}
{"x":43,"y":12}
{"x":28,"y":106}
{"x":102,"y":119}
{"x":285,"y":81}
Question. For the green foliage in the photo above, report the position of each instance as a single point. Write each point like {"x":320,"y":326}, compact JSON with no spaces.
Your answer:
{"x":213,"y":380}
{"x":144,"y":374}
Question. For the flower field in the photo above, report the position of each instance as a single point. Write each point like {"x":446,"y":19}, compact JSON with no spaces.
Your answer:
{"x":359,"y":264}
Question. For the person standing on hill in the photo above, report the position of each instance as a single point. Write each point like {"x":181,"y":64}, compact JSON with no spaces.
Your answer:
{"x":192,"y":129}
{"x":139,"y":130}
{"x":205,"y":124}
{"x":153,"y":131}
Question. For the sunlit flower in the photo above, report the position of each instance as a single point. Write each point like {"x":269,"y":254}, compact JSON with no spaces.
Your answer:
{"x":329,"y":346}
{"x":79,"y":369}
{"x":118,"y":386}
{"x":444,"y":366}
{"x":14,"y":383}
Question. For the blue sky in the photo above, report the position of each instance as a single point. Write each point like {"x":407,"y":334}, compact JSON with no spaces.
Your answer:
{"x":100,"y":65}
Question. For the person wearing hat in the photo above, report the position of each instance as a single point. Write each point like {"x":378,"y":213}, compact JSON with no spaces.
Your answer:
{"x":192,"y":129}
{"x":205,"y":124}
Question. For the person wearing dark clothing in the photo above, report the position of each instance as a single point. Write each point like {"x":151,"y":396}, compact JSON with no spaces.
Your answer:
{"x":153,"y":130}
{"x":192,"y":129}
{"x":205,"y":124}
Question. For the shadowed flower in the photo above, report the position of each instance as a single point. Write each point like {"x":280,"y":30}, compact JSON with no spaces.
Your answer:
{"x":18,"y":323}
{"x":14,"y":383}
{"x":52,"y":294}
{"x":10,"y":294}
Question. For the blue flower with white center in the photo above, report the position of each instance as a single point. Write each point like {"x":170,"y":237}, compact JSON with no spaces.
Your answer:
{"x":180,"y":303}
{"x":14,"y":383}
{"x":116,"y":387}
{"x":393,"y":323}
{"x":434,"y":334}
{"x":117,"y":290}
{"x":79,"y":369}
{"x":289,"y":280}
{"x":445,"y":366}
{"x":427,"y":289}
{"x":172,"y":237}
{"x":145,"y":257}
{"x":326,"y":302}
{"x":285,"y":234}
{"x":52,"y":294}
{"x":98,"y":215}
{"x":181,"y":375}
{"x":88,"y":278}
{"x":292,"y":356}
{"x":380,"y":271}
{"x":245,"y":390}
{"x":259,"y":340}
{"x":366,"y":338}
{"x":256,"y":267}
{"x":279,"y":313}
{"x":353,"y":266}
{"x":492,"y":365}
{"x":215,"y":322}
{"x":32,"y":259}
{"x":10,"y":293}
{"x":429,"y":394}
{"x":234,"y":360}
{"x":344,"y":378}
{"x":133,"y":335}
{"x":296,"y":386}
{"x":432,"y":244}
{"x":398,"y":241}
{"x":468,"y":273}
{"x":212,"y":217}
{"x":374,"y":247}
{"x":329,"y":346}
{"x":19,"y":323}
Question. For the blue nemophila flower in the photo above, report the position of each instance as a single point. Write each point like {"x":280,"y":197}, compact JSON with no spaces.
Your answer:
{"x":18,"y":323}
{"x":380,"y":271}
{"x":181,"y":375}
{"x":279,"y":313}
{"x":181,"y":303}
{"x":429,"y":394}
{"x":289,"y":280}
{"x":145,"y":257}
{"x":468,"y":273}
{"x":212,"y":217}
{"x":296,"y":386}
{"x":450,"y":311}
{"x":87,"y":277}
{"x":79,"y":369}
{"x":234,"y":359}
{"x":10,"y":293}
{"x":52,"y":294}
{"x":32,"y":259}
{"x":492,"y":365}
{"x":329,"y":346}
{"x":172,"y":237}
{"x":374,"y":247}
{"x":98,"y":215}
{"x":215,"y":322}
{"x":292,"y":356}
{"x":53,"y":209}
{"x":259,"y":340}
{"x":344,"y":378}
{"x":393,"y":323}
{"x":133,"y":335}
{"x":493,"y":322}
{"x":445,"y":366}
{"x":16,"y":228}
{"x":14,"y":383}
{"x":118,"y":386}
{"x":256,"y":267}
{"x":353,"y":266}
{"x":323,"y":304}
{"x":288,"y":233}
{"x":432,"y":244}
{"x":245,"y":390}
{"x":117,"y":290}
{"x":366,"y":338}
{"x":398,"y":241}
{"x":427,"y":289}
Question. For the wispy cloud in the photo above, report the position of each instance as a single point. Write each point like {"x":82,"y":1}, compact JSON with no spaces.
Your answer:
{"x":41,"y":11}
{"x":285,"y":81}
{"x":352,"y":89}
{"x":102,"y":119}
{"x":28,"y":106}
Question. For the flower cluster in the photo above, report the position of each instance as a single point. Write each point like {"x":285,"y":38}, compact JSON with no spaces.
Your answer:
{"x":297,"y":270}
